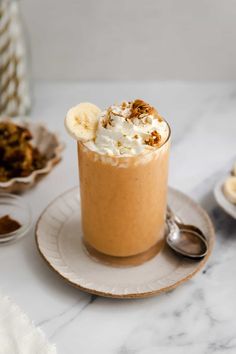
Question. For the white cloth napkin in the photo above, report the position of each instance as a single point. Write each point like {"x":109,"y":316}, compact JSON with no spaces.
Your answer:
{"x":18,"y":335}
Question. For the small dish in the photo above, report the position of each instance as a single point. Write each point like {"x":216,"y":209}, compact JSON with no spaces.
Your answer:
{"x":47,"y":143}
{"x":59,"y":241}
{"x":17,"y":209}
{"x":222,"y":201}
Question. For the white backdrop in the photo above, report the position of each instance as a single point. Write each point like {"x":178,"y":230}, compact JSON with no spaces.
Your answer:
{"x":132,"y":39}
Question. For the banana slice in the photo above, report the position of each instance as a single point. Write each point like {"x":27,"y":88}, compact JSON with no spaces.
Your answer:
{"x":82,"y":120}
{"x":229,"y":189}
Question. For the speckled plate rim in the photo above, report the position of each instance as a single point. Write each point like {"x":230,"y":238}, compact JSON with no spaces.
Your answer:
{"x":145,"y":294}
{"x":222,"y":201}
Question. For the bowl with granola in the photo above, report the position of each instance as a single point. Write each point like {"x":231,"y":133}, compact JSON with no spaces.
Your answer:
{"x":28,"y":151}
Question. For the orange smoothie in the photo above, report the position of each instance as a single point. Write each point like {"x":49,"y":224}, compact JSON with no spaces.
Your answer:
{"x":123,"y":168}
{"x":123,"y":200}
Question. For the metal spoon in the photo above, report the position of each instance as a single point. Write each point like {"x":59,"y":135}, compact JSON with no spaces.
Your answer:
{"x":187,"y":240}
{"x":181,"y":224}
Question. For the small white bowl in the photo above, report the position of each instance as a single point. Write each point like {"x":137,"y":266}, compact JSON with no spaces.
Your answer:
{"x":17,"y":209}
{"x":221,"y":199}
{"x":47,"y":143}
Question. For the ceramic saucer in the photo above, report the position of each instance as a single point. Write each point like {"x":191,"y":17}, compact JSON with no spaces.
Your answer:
{"x":59,"y":241}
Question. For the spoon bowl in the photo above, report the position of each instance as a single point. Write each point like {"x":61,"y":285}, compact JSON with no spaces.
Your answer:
{"x":187,"y":240}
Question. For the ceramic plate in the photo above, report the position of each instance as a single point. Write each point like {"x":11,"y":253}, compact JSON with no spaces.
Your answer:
{"x":223,"y":202}
{"x":59,"y":241}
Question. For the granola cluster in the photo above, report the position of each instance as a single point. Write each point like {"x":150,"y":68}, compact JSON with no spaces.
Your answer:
{"x":137,"y":112}
{"x":18,"y":158}
{"x":140,"y":109}
{"x":154,"y":140}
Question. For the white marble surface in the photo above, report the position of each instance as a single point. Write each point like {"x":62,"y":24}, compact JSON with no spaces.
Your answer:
{"x":199,"y":316}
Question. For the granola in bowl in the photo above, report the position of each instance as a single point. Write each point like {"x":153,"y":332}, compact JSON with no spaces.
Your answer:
{"x":27,"y":152}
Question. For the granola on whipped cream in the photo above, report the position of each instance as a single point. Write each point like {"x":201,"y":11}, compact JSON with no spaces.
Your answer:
{"x":129,"y":128}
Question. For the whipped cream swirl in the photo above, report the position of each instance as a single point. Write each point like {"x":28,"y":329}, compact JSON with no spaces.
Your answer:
{"x":129,"y":129}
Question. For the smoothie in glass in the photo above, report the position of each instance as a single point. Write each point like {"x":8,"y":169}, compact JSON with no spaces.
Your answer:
{"x":123,"y":183}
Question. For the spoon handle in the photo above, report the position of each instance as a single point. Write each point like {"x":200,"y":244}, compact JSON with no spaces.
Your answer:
{"x":171,"y":215}
{"x":173,"y":228}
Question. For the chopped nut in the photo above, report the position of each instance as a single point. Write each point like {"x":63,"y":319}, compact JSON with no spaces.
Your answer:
{"x":154,"y":139}
{"x":115,"y":113}
{"x":104,"y":123}
{"x":158,"y":117}
{"x":140,"y":107}
{"x":108,"y":118}
{"x":124,"y":105}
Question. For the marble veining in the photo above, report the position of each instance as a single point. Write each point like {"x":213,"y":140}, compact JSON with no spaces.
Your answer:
{"x":199,"y":317}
